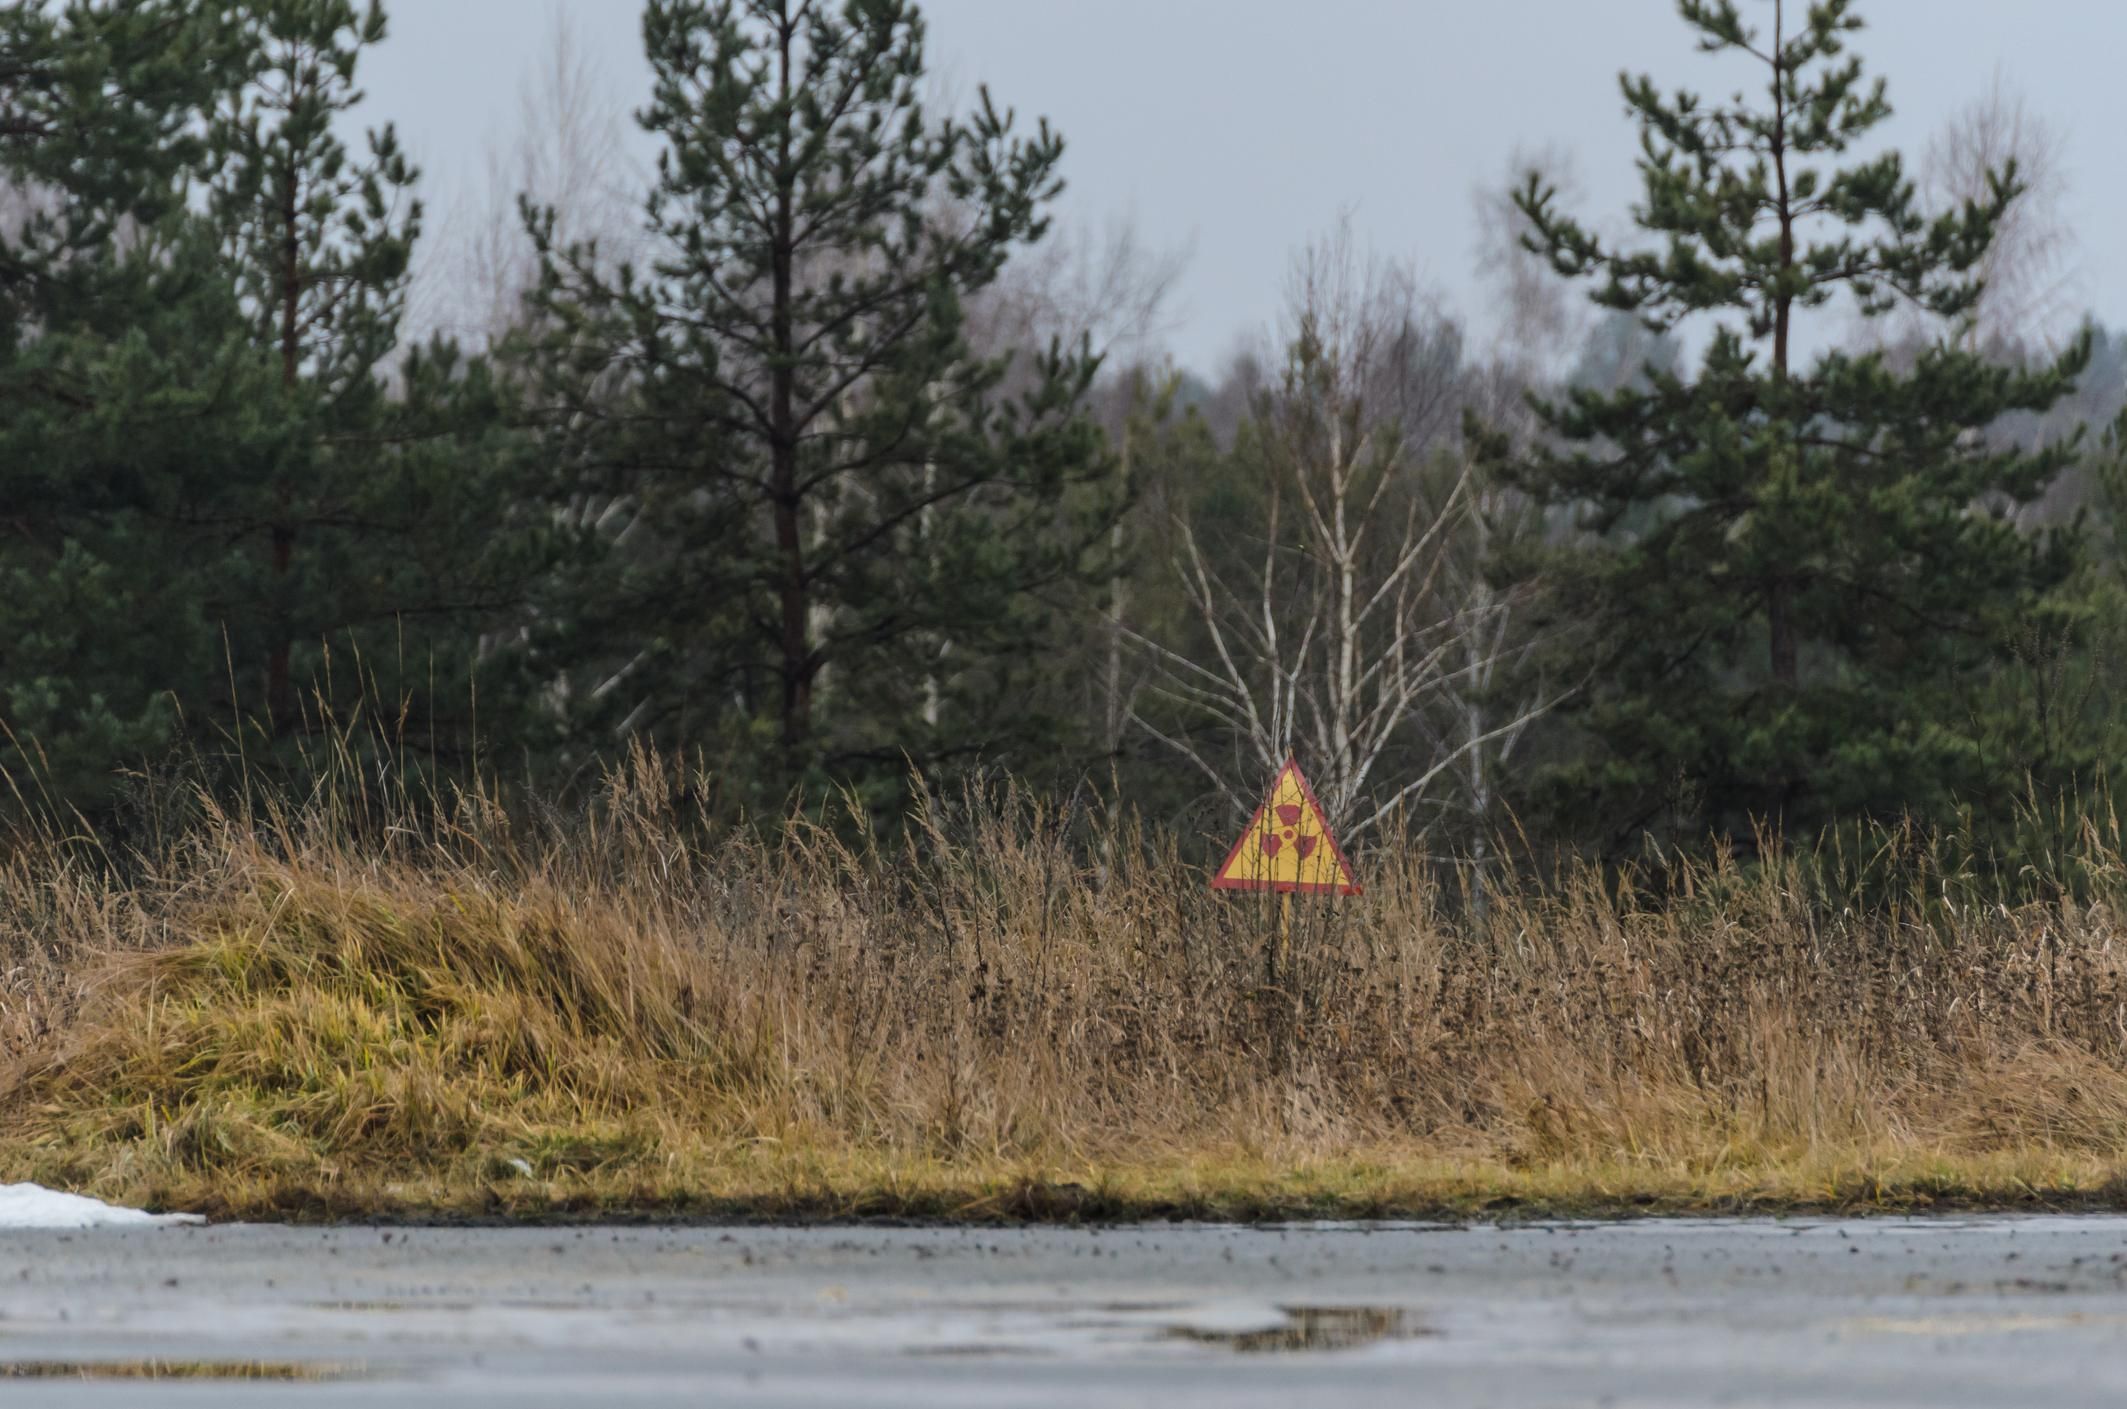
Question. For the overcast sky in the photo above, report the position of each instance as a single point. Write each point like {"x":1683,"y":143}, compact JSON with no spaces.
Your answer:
{"x":1238,"y":129}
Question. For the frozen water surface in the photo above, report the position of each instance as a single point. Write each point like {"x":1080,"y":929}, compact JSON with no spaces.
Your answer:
{"x":1920,"y":1312}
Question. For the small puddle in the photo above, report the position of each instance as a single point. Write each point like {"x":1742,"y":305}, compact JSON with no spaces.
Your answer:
{"x":969,"y":1352}
{"x":278,"y":1371}
{"x":1311,"y":1328}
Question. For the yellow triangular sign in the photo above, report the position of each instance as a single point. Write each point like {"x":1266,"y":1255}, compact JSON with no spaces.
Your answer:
{"x":1288,"y":845}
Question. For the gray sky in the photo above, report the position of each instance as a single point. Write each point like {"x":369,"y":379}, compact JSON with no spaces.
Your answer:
{"x":1239,"y":129}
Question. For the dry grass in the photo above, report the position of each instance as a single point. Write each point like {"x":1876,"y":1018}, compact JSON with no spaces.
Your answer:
{"x":1011,"y":1013}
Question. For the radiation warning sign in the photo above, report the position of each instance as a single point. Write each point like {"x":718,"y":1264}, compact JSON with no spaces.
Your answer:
{"x":1288,"y":846}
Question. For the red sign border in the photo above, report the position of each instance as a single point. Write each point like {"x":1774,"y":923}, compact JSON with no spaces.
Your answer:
{"x":1221,"y":881}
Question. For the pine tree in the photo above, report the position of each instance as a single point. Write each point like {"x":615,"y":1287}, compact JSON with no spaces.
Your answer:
{"x":113,"y":377}
{"x":827,"y":523}
{"x":96,"y":105}
{"x":318,"y":243}
{"x":1794,"y":578}
{"x":370,"y":501}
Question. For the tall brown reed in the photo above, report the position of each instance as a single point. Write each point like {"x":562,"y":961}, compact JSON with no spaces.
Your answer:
{"x":440,"y":994}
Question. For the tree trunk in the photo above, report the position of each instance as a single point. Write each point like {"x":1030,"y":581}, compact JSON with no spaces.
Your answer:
{"x":927,"y":529}
{"x":1345,"y":704}
{"x":1779,"y":592}
{"x":796,"y":644}
{"x":280,"y":687}
{"x":1118,"y":605}
{"x":1476,"y":723}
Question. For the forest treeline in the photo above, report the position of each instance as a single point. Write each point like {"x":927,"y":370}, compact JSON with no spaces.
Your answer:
{"x":804,"y":468}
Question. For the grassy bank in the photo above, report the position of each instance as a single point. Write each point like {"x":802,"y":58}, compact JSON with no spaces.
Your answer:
{"x":320,"y":1011}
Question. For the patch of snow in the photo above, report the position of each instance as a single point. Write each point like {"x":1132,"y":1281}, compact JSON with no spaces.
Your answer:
{"x":33,"y":1206}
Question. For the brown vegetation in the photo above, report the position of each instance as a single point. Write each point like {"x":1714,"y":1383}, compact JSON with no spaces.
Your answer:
{"x":1013,"y":1010}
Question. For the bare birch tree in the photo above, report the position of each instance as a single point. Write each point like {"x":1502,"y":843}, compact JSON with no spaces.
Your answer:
{"x":1486,"y":706}
{"x":1538,"y":318}
{"x":569,"y":153}
{"x":1106,"y":286}
{"x":2028,"y":272}
{"x":1343,"y":629}
{"x":1108,"y":290}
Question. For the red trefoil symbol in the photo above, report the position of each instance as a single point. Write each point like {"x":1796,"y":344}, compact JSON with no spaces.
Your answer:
{"x":1291,"y":831}
{"x":1288,"y":845}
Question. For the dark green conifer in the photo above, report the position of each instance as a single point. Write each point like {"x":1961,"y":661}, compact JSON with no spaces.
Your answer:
{"x":113,"y":372}
{"x":1793,"y":575}
{"x":827,"y":521}
{"x":373,"y":524}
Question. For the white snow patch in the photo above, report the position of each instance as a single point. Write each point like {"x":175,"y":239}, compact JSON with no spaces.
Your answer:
{"x":33,"y":1206}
